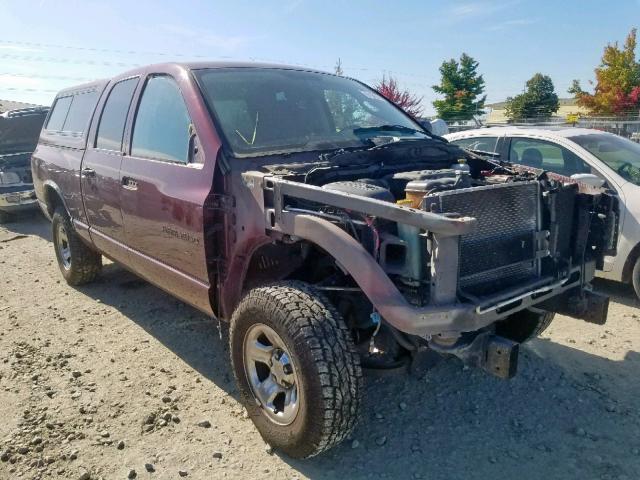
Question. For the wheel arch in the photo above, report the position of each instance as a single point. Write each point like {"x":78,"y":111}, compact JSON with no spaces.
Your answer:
{"x":264,"y":262}
{"x":233,"y":285}
{"x":53,"y":198}
{"x":630,"y":262}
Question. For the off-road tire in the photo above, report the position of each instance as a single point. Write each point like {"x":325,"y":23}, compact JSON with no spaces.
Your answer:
{"x":85,"y":263}
{"x":327,"y":365}
{"x":6,"y":217}
{"x":635,"y":278}
{"x":524,"y":325}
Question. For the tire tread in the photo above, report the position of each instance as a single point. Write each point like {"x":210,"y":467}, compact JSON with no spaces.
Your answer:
{"x":635,"y":278}
{"x":86,"y":263}
{"x":311,"y":320}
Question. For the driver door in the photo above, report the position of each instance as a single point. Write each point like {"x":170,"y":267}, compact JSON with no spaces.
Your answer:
{"x":163,"y":192}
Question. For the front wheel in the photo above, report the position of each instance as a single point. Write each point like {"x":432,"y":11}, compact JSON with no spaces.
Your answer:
{"x":635,"y":279}
{"x":524,"y":325}
{"x":296,"y":367}
{"x":78,"y":263}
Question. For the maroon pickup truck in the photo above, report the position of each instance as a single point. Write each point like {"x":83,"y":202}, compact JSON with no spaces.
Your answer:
{"x":329,"y":228}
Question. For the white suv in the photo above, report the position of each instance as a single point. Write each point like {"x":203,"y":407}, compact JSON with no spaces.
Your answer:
{"x":589,"y":155}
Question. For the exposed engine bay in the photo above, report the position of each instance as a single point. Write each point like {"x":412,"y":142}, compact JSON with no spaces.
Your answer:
{"x":466,"y":242}
{"x":524,"y":223}
{"x":507,"y":234}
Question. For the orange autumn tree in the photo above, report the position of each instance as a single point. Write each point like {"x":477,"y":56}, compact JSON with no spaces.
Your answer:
{"x":617,"y":85}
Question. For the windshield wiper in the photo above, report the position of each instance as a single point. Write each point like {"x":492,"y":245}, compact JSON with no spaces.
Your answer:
{"x":483,"y":153}
{"x":376,"y":146}
{"x":387,"y":128}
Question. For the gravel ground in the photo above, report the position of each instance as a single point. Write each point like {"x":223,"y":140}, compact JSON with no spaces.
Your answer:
{"x":118,"y":380}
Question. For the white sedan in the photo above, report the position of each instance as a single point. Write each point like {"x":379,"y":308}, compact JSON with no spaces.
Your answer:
{"x":592,"y":156}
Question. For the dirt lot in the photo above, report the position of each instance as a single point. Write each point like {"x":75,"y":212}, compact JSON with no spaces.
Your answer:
{"x":101,"y":380}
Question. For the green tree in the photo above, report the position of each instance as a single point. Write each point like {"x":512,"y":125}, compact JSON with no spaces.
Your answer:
{"x":617,"y":86}
{"x":539,"y":100}
{"x":462,"y":88}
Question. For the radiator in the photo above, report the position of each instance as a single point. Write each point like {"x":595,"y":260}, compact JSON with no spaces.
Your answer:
{"x":501,"y":251}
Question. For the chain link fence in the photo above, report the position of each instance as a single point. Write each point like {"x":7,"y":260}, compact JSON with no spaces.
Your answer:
{"x":627,"y":126}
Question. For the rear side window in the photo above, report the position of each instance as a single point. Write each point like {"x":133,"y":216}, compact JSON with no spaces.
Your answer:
{"x":59,"y":113}
{"x":114,"y":115}
{"x":161,"y":129}
{"x":547,"y":156}
{"x":536,"y":153}
{"x":483,"y":144}
{"x":80,"y":112}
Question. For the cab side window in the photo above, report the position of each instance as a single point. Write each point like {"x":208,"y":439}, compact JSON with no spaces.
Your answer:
{"x":59,"y":113}
{"x":80,"y":112}
{"x":162,"y":124}
{"x":71,"y":114}
{"x":545,"y":155}
{"x":483,"y":144}
{"x":114,"y":115}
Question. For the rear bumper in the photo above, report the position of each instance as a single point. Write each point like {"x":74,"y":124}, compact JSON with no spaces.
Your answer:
{"x":15,"y":202}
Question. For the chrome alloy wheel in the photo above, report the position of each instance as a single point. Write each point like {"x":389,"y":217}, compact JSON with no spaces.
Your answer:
{"x":271,"y":374}
{"x":62,"y":240}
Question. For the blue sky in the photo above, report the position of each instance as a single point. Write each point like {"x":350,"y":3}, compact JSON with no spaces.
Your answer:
{"x":47,"y":45}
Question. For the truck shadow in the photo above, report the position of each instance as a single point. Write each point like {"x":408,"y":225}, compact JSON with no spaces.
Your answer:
{"x":31,"y":223}
{"x":551,"y":421}
{"x":618,"y":292}
{"x":567,"y":414}
{"x":189,"y":334}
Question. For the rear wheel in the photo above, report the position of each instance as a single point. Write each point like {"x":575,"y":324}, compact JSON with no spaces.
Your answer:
{"x":296,"y":367}
{"x":524,"y":325}
{"x":635,"y":279}
{"x":78,"y":263}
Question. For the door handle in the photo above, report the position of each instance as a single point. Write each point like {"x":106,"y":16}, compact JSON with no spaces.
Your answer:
{"x":129,"y":183}
{"x":88,"y":172}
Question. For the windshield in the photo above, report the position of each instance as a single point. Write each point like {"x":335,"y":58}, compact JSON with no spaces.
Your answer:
{"x":262,"y":111}
{"x":617,"y":153}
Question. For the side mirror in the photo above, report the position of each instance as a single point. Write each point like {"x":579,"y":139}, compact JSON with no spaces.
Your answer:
{"x":589,"y":179}
{"x":426,"y":124}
